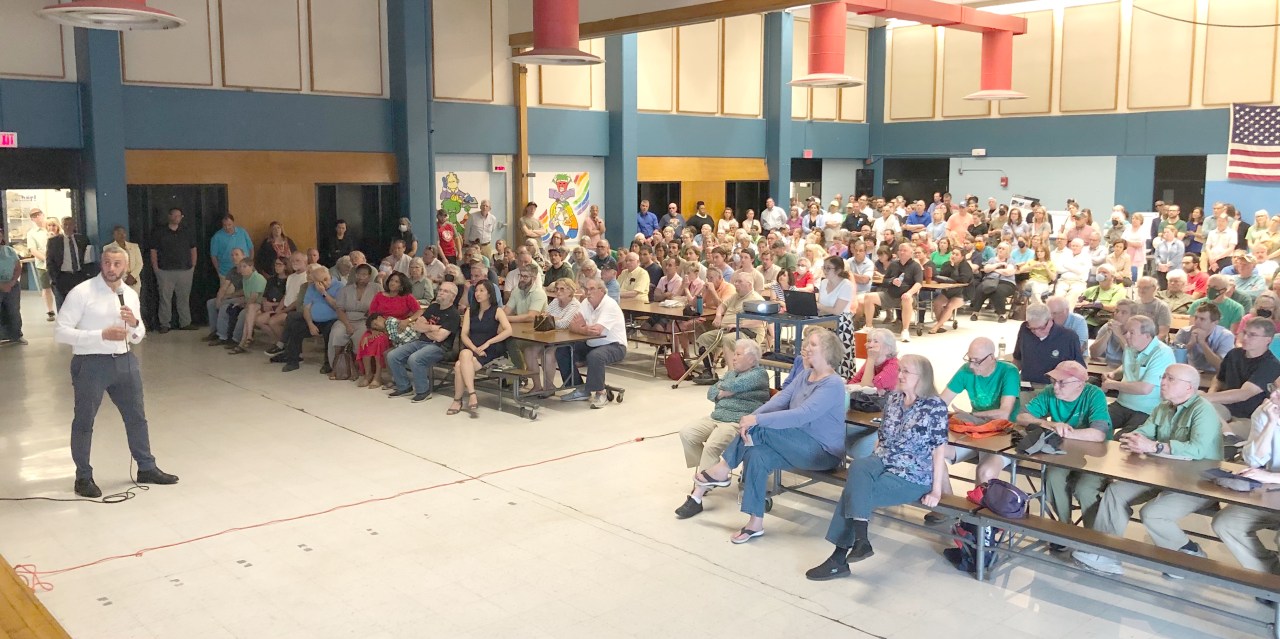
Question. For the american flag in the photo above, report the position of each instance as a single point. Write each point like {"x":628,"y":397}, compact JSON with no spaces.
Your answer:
{"x":1253,"y":152}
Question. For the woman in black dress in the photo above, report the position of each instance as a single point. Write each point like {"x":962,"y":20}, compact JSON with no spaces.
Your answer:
{"x":485,"y":330}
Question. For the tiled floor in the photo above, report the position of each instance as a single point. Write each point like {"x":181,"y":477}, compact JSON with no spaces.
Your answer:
{"x":579,"y":546}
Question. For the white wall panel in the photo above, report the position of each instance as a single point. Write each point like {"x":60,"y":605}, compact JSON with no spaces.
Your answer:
{"x":565,"y":86}
{"x":800,"y":67}
{"x":743,"y":58}
{"x":1160,"y":71}
{"x":174,"y":56}
{"x":1090,"y":58}
{"x":462,"y":54}
{"x":912,"y":72}
{"x":655,"y":70}
{"x":1033,"y":66}
{"x":598,"y":97}
{"x":853,"y":102}
{"x":260,"y":44}
{"x":30,"y":45}
{"x":962,"y":73}
{"x":698,"y":68}
{"x":346,"y":46}
{"x":1239,"y":64}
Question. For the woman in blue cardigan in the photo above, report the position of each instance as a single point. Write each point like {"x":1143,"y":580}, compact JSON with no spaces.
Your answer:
{"x":800,"y":427}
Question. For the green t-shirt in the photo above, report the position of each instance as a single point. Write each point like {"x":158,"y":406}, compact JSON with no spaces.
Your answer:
{"x":985,"y":393}
{"x":1179,"y":224}
{"x":254,"y":284}
{"x":1232,"y":312}
{"x":1086,"y":411}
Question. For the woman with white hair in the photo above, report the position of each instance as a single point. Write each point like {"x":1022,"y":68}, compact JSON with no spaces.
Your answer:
{"x":800,"y":427}
{"x":879,"y":373}
{"x":341,"y":271}
{"x":424,"y":290}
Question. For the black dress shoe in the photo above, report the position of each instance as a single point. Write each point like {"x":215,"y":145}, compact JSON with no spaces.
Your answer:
{"x":86,"y":488}
{"x":326,"y":369}
{"x":188,"y":327}
{"x":278,"y":358}
{"x":164,"y":329}
{"x":861,"y":550}
{"x":290,"y":367}
{"x":832,"y":568}
{"x":400,"y":393}
{"x":156,"y":476}
{"x":275,"y":350}
{"x":688,"y":509}
{"x":212,"y":337}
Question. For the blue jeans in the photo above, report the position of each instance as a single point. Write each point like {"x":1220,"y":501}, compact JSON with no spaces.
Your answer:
{"x":869,"y":486}
{"x":775,"y":449}
{"x":417,"y":357}
{"x":219,"y":320}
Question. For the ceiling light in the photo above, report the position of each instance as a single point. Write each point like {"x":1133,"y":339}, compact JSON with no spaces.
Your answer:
{"x":114,"y":15}
{"x":555,"y":36}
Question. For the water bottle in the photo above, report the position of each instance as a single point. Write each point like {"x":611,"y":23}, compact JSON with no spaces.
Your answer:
{"x":697,"y":305}
{"x":1000,"y":349}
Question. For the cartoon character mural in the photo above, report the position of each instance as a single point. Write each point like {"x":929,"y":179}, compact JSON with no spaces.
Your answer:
{"x":570,"y":198}
{"x":457,"y":203}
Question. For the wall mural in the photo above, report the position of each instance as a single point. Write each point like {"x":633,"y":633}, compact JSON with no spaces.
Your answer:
{"x":461,"y":193}
{"x":567,"y":200}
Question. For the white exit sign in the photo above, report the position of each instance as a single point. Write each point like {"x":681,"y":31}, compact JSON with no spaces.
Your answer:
{"x":8,"y":140}
{"x":499,"y":163}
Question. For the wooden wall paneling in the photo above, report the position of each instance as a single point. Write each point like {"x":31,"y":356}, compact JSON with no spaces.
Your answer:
{"x":853,"y":102}
{"x":461,"y":67}
{"x":742,"y":61}
{"x":678,"y":169}
{"x":912,"y":72}
{"x":1033,"y":66}
{"x":698,"y":68}
{"x":800,"y":96}
{"x":564,"y":86}
{"x":30,"y":46}
{"x":177,"y":56}
{"x":1240,"y":64}
{"x":709,"y":191}
{"x":345,"y":42}
{"x":1090,"y":62}
{"x":1162,"y":56}
{"x":264,"y":185}
{"x":655,"y":70}
{"x":962,"y":74}
{"x":260,"y":44}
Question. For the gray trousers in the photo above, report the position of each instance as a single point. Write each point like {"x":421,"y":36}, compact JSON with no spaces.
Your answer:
{"x":120,"y":377}
{"x":1160,"y":516}
{"x":705,"y":441}
{"x":1238,"y":528}
{"x":338,"y":337}
{"x":173,"y":283}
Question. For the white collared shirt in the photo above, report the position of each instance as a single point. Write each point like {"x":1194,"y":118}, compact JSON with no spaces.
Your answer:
{"x":608,"y":315}
{"x":90,"y":307}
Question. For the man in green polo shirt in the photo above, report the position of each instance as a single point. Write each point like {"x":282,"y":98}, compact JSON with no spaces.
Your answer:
{"x":1137,"y":381}
{"x":1218,"y":293}
{"x":1074,"y":409}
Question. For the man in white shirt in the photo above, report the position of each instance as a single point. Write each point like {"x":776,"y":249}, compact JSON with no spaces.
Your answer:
{"x":633,"y":279}
{"x":397,"y":262}
{"x":1219,"y":244}
{"x":99,"y":319}
{"x":1073,"y":270}
{"x":38,"y":244}
{"x":772,"y":217}
{"x":435,"y":266}
{"x":480,"y":229}
{"x":601,"y":318}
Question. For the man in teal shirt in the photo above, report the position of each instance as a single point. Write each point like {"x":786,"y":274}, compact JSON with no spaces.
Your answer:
{"x":1137,"y":381}
{"x":1184,"y":425}
{"x":1074,"y":409}
{"x":993,"y":387}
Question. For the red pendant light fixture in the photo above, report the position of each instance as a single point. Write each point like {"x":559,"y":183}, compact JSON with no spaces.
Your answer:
{"x":113,"y":15}
{"x":997,"y":68}
{"x":555,"y":36}
{"x":826,"y":49}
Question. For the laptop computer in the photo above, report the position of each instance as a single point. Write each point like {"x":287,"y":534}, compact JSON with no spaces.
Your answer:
{"x":801,"y":303}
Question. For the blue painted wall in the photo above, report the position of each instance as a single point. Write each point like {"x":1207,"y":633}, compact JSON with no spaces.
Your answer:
{"x":44,"y":114}
{"x":473,"y":128}
{"x":831,"y":140}
{"x":567,"y":132}
{"x":700,"y":136}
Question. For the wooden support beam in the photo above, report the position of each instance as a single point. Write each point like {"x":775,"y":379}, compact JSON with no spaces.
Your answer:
{"x":520,"y":75}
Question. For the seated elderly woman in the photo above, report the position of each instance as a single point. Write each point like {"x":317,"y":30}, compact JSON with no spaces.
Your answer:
{"x":420,"y":284}
{"x":341,"y":271}
{"x":352,"y":307}
{"x":540,"y":359}
{"x":800,"y":427}
{"x":743,"y":389}
{"x":485,"y":330}
{"x":879,"y":372}
{"x":907,"y":466}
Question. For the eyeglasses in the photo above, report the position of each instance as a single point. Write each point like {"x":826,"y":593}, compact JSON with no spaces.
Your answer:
{"x":1169,"y":378}
{"x":975,"y":362}
{"x":1259,"y":335}
{"x":1058,"y":383}
{"x":1040,"y":328}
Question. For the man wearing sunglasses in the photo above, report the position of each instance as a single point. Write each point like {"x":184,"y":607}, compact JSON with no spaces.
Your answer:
{"x":1184,"y":425}
{"x":1237,"y":388}
{"x":1137,"y":381}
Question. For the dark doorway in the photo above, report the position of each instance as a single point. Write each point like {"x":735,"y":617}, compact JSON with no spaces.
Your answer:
{"x":203,"y":206}
{"x":659,"y":194}
{"x":746,"y":195}
{"x":1180,"y":180}
{"x":916,"y":178}
{"x":371,"y":211}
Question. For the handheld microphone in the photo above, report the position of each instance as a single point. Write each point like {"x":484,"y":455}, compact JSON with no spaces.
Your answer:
{"x":120,"y":296}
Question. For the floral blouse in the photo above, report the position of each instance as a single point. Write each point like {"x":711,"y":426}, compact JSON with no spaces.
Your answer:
{"x":909,"y":435}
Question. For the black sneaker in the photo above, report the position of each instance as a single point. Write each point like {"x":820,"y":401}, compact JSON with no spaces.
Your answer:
{"x":326,"y":369}
{"x":421,"y":397}
{"x":86,"y":488}
{"x":1057,"y":548}
{"x":277,"y":359}
{"x":156,"y":476}
{"x":290,"y":367}
{"x":400,"y":393}
{"x":861,"y":550}
{"x":275,"y":350}
{"x":832,"y":568}
{"x":688,"y":509}
{"x":163,"y":330}
{"x":188,"y":327}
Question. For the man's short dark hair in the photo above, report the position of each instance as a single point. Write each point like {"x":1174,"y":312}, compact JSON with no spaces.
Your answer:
{"x":701,"y":203}
{"x":1211,"y":310}
{"x":340,"y":221}
{"x":227,"y":216}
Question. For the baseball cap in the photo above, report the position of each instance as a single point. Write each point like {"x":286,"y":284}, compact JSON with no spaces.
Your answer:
{"x":1069,"y":370}
{"x":1244,"y":255}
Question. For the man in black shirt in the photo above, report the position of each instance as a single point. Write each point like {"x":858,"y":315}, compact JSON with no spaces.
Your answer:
{"x":855,"y":221}
{"x":438,"y":328}
{"x":173,"y":259}
{"x":902,"y":280}
{"x":337,"y":245}
{"x":1042,"y":345}
{"x":1241,"y":383}
{"x":558,"y":268}
{"x":700,"y":218}
{"x":651,"y":267}
{"x":604,"y":257}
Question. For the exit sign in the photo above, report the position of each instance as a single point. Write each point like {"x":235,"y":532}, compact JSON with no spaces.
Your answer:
{"x":499,"y":163}
{"x":8,"y":140}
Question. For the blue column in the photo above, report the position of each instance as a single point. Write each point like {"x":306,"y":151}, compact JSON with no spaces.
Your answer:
{"x":102,"y":121}
{"x":620,"y":167}
{"x":876,"y":46}
{"x":409,"y":51}
{"x":1135,"y":181}
{"x":777,"y":104}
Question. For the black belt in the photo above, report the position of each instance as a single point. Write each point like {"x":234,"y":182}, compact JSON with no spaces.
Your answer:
{"x":111,"y":355}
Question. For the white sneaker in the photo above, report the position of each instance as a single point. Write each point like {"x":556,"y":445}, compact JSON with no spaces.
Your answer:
{"x":599,"y":400}
{"x":905,"y":337}
{"x":579,"y":394}
{"x":1097,"y":563}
